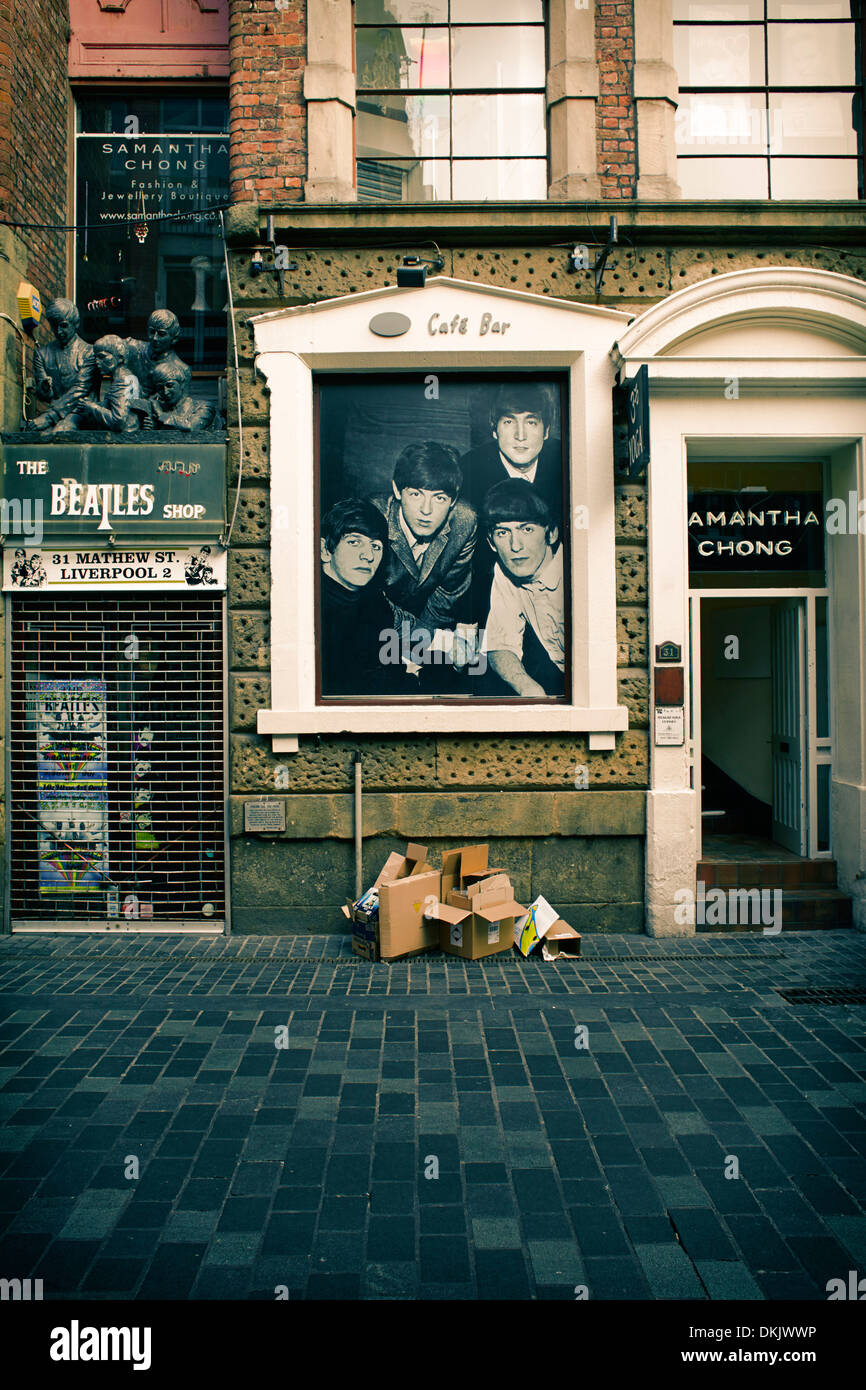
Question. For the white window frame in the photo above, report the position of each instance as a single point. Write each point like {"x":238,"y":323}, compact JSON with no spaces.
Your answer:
{"x":335,"y":336}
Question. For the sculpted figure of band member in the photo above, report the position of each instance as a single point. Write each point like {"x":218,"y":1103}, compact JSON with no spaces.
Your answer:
{"x":163,"y":331}
{"x":118,"y":391}
{"x":64,"y":370}
{"x":171,"y":407}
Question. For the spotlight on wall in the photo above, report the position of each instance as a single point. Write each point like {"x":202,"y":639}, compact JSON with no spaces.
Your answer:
{"x":412,"y":274}
{"x":257,"y":263}
{"x":579,"y":257}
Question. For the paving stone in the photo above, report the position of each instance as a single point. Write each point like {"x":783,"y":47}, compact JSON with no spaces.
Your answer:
{"x":501,"y":1274}
{"x":669,"y":1272}
{"x":728,"y":1280}
{"x":616,"y":1279}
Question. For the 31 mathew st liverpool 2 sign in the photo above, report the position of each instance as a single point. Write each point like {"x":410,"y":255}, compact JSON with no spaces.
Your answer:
{"x":137,"y":490}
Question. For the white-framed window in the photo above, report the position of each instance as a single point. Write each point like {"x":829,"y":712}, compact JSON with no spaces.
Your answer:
{"x":471,"y":338}
{"x":771,"y":98}
{"x":450,"y":100}
{"x":152,"y":168}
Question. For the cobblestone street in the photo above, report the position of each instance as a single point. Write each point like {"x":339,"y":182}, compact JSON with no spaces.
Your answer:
{"x":314,"y":1166}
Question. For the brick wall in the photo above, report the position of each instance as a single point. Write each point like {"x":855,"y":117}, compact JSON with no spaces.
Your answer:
{"x":34,"y":97}
{"x":267,"y":52}
{"x":615,"y":114}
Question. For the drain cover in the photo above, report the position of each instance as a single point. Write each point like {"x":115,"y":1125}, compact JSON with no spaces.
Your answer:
{"x":831,"y":995}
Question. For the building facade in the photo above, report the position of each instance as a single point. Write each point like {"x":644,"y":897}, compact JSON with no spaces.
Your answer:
{"x":693,"y":373}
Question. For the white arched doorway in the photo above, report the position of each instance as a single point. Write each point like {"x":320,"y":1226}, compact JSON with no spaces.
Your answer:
{"x":754,"y":376}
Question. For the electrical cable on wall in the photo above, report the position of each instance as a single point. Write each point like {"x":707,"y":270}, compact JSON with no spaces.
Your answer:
{"x":228,"y":535}
{"x":23,"y":336}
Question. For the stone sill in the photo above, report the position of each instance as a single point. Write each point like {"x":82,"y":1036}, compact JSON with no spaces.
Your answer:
{"x":487,"y":813}
{"x":478,"y":222}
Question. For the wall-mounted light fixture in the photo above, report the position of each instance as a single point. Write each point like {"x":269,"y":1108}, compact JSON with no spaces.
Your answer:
{"x":579,"y":257}
{"x":412,"y":274}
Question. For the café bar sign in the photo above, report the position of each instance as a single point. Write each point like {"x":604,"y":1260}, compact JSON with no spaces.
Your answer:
{"x":142,"y":491}
{"x":752,"y":530}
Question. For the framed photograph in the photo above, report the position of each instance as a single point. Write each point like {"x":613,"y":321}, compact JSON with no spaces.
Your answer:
{"x":442,"y":546}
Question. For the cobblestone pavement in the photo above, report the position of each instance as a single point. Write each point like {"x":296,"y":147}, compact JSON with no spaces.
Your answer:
{"x":313,"y":1166}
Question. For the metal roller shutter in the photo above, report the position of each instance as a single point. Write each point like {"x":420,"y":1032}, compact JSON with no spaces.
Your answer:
{"x":116,"y":760}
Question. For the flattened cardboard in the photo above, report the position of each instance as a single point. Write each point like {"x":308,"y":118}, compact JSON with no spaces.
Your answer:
{"x":406,"y":886}
{"x":390,"y":869}
{"x":484,"y":885}
{"x":403,"y":926}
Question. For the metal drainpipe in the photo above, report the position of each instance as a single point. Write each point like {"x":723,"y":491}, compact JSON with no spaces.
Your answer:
{"x":359,"y":829}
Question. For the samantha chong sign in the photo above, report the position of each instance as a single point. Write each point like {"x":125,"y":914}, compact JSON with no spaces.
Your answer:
{"x":136,"y":491}
{"x":731,"y":531}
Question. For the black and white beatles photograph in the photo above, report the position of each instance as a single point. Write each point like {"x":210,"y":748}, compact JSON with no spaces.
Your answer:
{"x":442,"y":543}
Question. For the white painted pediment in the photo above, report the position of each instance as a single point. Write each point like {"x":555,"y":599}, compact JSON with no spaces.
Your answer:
{"x":445,"y":317}
{"x":771,"y":312}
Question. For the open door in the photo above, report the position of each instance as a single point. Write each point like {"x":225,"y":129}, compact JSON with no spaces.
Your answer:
{"x":789,"y":724}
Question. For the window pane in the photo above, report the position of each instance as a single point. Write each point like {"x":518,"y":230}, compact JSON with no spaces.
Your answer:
{"x":504,"y":57}
{"x":499,"y":125}
{"x":132,"y":113}
{"x":403,"y":180}
{"x":814,"y":178}
{"x":401,"y":11}
{"x":510,"y":180}
{"x":824,"y":771}
{"x":180,"y":265}
{"x":391,"y":59}
{"x":811,"y":55}
{"x":822,"y":669}
{"x":730,"y":56}
{"x":740,"y":10}
{"x":402,"y":126}
{"x":722,"y":178}
{"x":812,"y":123}
{"x":724,"y":123}
{"x":495,"y":11}
{"x":809,"y":9}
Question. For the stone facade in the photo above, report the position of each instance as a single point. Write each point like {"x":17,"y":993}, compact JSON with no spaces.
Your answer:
{"x":583,"y":848}
{"x":611,"y":99}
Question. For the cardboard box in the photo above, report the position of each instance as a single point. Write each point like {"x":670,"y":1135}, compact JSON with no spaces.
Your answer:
{"x":407,"y":889}
{"x":478,"y":922}
{"x":542,"y":931}
{"x":463,"y":867}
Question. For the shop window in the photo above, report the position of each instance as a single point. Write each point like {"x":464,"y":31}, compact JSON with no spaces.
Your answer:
{"x":442,"y":553}
{"x":450,"y":100}
{"x":771,"y":99}
{"x":151,"y":172}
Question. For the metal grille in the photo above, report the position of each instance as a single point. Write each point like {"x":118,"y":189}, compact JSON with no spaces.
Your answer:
{"x":830,"y":995}
{"x":117,"y":760}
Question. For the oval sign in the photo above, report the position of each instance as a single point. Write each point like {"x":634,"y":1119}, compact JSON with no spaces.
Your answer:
{"x":390,"y":325}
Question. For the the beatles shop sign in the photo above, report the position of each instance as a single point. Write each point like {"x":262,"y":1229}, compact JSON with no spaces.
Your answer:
{"x":172,"y":491}
{"x":754,"y":530}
